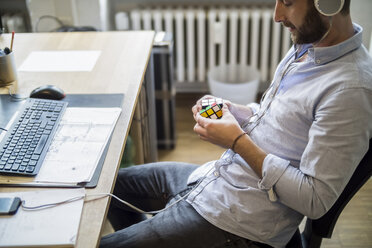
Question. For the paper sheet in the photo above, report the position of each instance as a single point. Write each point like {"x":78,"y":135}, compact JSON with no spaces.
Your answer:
{"x":57,"y":226}
{"x":76,"y":149}
{"x":60,"y":61}
{"x":78,"y":145}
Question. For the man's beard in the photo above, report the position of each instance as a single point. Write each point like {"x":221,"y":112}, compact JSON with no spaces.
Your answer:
{"x":311,"y":30}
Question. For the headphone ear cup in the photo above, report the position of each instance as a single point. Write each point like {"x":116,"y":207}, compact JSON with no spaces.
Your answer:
{"x":329,"y":7}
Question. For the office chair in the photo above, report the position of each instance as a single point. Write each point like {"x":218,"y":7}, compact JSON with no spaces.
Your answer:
{"x":316,"y":230}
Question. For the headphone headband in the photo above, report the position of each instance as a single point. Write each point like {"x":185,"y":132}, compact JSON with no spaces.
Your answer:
{"x":329,"y":7}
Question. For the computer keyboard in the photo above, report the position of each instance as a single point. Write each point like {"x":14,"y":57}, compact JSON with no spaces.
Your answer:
{"x":23,"y":149}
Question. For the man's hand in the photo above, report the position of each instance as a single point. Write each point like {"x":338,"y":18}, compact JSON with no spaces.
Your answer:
{"x":221,"y":132}
{"x":224,"y":131}
{"x":241,"y":113}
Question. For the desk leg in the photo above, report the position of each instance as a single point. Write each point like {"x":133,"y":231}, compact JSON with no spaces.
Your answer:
{"x":136,"y":134}
{"x":143,"y":128}
{"x":151,"y":122}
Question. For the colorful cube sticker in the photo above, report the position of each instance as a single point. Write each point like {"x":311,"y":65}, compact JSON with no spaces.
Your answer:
{"x":212,"y":111}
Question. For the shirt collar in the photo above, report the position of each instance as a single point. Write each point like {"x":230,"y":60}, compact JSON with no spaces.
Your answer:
{"x":323,"y":55}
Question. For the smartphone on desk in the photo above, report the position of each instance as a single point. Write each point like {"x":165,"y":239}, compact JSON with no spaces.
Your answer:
{"x":9,"y":205}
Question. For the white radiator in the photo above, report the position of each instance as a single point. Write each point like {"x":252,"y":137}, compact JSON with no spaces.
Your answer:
{"x":208,"y":37}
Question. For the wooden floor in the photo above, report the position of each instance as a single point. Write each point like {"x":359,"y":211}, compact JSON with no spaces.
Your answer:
{"x":354,"y":227}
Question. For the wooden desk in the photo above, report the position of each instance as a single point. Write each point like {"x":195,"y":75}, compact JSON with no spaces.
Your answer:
{"x":120,"y":69}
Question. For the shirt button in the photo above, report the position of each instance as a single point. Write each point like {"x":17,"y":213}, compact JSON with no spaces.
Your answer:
{"x":216,"y":173}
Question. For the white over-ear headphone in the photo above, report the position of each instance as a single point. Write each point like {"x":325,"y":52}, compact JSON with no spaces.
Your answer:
{"x":329,"y":7}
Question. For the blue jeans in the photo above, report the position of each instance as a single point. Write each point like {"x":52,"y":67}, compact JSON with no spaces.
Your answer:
{"x":152,"y":187}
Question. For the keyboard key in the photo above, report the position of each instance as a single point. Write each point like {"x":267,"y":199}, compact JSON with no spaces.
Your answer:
{"x":30,"y":169}
{"x":41,"y":144}
{"x":35,"y":157}
{"x":15,"y":167}
{"x":32,"y":163}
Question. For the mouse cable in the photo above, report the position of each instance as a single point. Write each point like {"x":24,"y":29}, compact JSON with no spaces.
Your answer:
{"x":98,"y":196}
{"x":156,"y":211}
{"x":103,"y":195}
{"x":49,"y":205}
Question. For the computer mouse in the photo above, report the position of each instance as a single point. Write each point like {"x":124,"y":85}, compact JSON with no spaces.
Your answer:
{"x":48,"y":92}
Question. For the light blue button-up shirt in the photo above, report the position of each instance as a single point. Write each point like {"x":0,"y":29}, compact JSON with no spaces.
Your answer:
{"x":315,"y":131}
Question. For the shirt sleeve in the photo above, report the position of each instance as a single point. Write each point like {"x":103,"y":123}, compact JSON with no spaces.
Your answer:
{"x":338,"y":139}
{"x":244,"y":120}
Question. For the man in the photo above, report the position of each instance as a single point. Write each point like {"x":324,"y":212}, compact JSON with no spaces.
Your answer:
{"x":289,"y":157}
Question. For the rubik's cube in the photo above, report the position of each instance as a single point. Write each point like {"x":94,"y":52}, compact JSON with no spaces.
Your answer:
{"x":212,"y":108}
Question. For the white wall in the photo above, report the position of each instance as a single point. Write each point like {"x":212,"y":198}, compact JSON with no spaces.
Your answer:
{"x":70,"y":12}
{"x":360,"y":11}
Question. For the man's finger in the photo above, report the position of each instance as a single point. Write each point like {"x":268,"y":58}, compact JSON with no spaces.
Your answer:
{"x":225,"y":109}
{"x":194,"y":109}
{"x":199,"y":130}
{"x":202,"y":121}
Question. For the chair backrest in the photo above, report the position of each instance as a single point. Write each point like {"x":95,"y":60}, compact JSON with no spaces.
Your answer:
{"x":323,"y":227}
